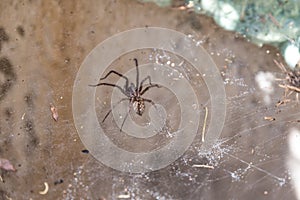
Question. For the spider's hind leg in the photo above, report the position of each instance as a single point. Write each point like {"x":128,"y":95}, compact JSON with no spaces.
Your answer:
{"x":107,"y":114}
{"x":124,"y":120}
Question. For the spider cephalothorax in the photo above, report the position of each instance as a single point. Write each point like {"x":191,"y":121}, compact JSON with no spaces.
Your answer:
{"x":133,"y":92}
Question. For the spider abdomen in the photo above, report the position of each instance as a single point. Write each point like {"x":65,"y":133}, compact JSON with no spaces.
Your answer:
{"x":138,"y":106}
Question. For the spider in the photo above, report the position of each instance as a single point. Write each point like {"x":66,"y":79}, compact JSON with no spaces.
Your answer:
{"x":133,"y":92}
{"x":292,"y":82}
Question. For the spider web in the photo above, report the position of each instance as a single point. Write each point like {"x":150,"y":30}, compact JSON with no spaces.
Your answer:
{"x":249,"y":159}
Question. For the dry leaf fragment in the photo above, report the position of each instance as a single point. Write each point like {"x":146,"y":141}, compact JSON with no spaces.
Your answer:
{"x":54,"y":112}
{"x":6,"y":165}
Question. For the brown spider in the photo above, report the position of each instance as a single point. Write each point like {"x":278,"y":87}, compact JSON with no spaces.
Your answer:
{"x":292,"y":82}
{"x":133,"y":92}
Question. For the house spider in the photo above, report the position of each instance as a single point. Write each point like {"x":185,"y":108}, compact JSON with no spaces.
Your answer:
{"x":133,"y":92}
{"x":291,"y":84}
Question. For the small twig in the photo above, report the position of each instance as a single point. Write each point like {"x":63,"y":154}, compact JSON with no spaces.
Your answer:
{"x":204,"y":166}
{"x":280,"y":65}
{"x":274,"y":20}
{"x":242,"y":15}
{"x":290,"y":87}
{"x":269,"y":118}
{"x":282,"y":102}
{"x":204,"y":124}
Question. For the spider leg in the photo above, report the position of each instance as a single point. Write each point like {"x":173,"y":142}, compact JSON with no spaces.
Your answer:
{"x":129,"y":107}
{"x":117,"y":73}
{"x":113,"y":108}
{"x":152,"y":102}
{"x":286,"y":95}
{"x":279,"y":79}
{"x":137,"y":73}
{"x":124,"y":121}
{"x":148,"y":87}
{"x":142,"y":82}
{"x":112,"y":85}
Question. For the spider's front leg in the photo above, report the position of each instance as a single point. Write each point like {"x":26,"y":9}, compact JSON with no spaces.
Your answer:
{"x":141,"y":91}
{"x":117,"y":73}
{"x":112,"y":85}
{"x":124,"y":91}
{"x":150,"y":83}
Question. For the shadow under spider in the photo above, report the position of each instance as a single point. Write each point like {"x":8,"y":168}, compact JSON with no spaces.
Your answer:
{"x":133,"y":92}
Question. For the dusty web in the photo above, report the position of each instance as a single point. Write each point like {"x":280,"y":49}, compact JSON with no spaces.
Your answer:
{"x":249,"y":156}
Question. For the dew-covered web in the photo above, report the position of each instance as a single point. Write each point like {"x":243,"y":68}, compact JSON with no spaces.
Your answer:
{"x":248,"y":160}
